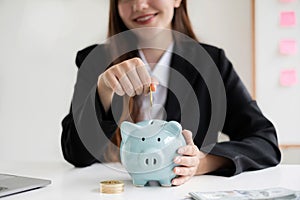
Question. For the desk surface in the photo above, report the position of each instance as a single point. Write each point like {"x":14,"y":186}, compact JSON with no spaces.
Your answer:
{"x":83,"y":183}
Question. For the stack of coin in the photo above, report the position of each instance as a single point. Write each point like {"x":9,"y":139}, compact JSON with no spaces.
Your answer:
{"x":111,"y":187}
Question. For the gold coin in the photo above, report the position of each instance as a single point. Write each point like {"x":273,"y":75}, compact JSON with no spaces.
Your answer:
{"x":151,"y":97}
{"x":111,"y":187}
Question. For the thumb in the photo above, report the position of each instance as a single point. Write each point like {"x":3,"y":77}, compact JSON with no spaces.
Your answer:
{"x":154,"y":83}
{"x":188,"y":136}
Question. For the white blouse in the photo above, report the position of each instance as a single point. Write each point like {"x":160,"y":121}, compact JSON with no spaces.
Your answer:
{"x":161,"y":72}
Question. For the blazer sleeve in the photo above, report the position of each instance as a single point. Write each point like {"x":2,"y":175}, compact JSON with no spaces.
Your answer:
{"x":253,"y":142}
{"x":73,"y":148}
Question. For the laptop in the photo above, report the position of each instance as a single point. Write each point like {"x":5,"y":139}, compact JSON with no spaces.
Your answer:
{"x":11,"y":184}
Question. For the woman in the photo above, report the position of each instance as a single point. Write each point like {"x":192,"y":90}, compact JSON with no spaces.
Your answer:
{"x":253,"y":142}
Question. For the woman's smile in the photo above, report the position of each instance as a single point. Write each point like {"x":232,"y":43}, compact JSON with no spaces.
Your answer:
{"x":145,"y":19}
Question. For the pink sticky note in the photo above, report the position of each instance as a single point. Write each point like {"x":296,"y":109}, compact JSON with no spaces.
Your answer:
{"x":288,"y":77}
{"x":287,"y":1}
{"x":288,"y":47}
{"x":288,"y":18}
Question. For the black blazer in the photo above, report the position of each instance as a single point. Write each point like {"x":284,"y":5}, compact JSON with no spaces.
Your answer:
{"x":253,"y":141}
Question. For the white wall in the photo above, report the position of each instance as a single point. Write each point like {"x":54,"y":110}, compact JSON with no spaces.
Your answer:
{"x":281,"y":104}
{"x":39,"y":40}
{"x":226,"y":24}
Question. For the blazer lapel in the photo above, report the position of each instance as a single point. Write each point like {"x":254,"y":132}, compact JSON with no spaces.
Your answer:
{"x":181,"y":81}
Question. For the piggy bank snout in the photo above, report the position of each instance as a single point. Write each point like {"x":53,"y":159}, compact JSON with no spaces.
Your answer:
{"x":151,"y":160}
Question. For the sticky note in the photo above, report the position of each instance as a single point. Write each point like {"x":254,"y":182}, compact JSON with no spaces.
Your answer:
{"x":287,"y":1}
{"x":287,"y":18}
{"x":288,"y":77}
{"x":288,"y":47}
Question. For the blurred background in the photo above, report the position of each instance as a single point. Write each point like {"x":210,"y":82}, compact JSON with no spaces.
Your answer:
{"x":39,"y":40}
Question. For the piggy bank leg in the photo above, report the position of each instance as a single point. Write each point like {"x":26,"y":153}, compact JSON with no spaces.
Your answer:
{"x":139,"y":182}
{"x":165,"y":182}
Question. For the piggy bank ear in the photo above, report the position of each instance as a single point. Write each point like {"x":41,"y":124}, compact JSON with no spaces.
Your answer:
{"x":127,"y":128}
{"x":173,"y":127}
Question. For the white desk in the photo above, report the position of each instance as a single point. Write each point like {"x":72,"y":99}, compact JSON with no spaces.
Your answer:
{"x":71,"y":183}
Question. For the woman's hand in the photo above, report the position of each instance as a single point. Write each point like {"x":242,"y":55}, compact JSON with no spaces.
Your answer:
{"x":129,"y":77}
{"x":188,"y":160}
{"x":126,"y":78}
{"x":194,"y":162}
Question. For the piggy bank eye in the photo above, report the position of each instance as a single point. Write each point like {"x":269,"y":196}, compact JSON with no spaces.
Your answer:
{"x":152,"y":122}
{"x":143,"y":139}
{"x":158,"y":139}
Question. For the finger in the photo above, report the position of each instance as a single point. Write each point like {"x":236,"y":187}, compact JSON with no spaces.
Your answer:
{"x":120,"y":71}
{"x":188,"y":136}
{"x":154,"y":83}
{"x":184,"y":171}
{"x":127,"y":86}
{"x":111,"y":81}
{"x":189,"y":150}
{"x":139,"y":66}
{"x":144,"y":77}
{"x":187,"y":161}
{"x":135,"y":81}
{"x":180,"y":180}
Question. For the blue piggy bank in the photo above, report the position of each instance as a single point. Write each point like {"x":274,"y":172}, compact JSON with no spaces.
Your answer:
{"x":148,"y":149}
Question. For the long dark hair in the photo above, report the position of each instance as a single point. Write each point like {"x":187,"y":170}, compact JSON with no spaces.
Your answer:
{"x":180,"y":23}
